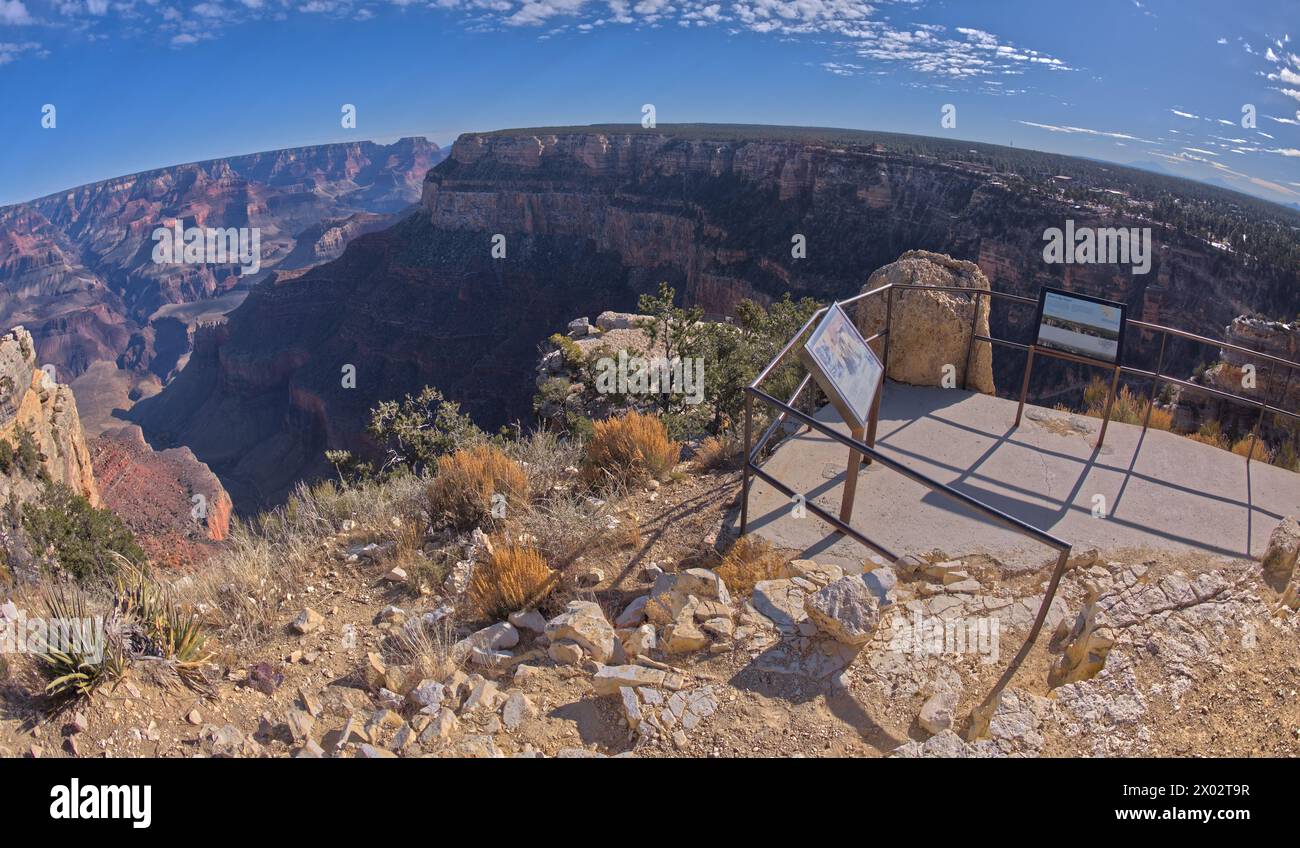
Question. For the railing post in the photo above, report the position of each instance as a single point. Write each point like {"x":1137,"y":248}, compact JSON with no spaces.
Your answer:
{"x":970,"y":345}
{"x":1024,"y":385}
{"x":981,"y":715}
{"x":1151,"y":398}
{"x":1110,"y":402}
{"x":889,"y":336}
{"x":744,"y":485}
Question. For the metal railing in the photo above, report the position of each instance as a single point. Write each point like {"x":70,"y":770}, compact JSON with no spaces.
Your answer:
{"x":865,"y":447}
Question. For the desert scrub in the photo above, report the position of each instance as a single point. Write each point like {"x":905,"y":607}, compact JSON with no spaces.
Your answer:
{"x":569,"y":349}
{"x":548,"y":460}
{"x":463,"y":491}
{"x":750,"y":561}
{"x":417,"y":430}
{"x":513,"y":578}
{"x":98,"y":640}
{"x":76,"y":537}
{"x":1259,"y":451}
{"x":629,"y":449}
{"x":90,"y":656}
{"x":718,"y":452}
{"x":243,"y":589}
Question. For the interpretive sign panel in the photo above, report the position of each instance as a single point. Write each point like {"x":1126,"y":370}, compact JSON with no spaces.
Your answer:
{"x":1081,"y":325}
{"x":844,"y":366}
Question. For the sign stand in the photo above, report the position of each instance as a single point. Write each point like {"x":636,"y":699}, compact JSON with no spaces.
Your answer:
{"x":849,"y":372}
{"x":857,"y":460}
{"x":1077,"y":321}
{"x":1110,"y":395}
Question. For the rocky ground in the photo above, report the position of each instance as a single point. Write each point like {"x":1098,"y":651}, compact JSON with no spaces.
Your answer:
{"x":647,"y":652}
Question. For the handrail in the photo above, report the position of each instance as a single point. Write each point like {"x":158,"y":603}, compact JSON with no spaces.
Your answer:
{"x":916,"y":476}
{"x":981,"y":715}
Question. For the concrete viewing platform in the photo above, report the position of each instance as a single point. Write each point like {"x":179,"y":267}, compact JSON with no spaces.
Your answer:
{"x":1157,"y":490}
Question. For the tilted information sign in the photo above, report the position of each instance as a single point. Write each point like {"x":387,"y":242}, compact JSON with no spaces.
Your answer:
{"x":844,"y":365}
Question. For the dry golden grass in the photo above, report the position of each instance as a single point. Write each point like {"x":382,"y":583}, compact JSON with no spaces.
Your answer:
{"x":718,"y":452}
{"x":1261,"y":451}
{"x":630,"y":448}
{"x":627,"y":534}
{"x":750,"y":561}
{"x":1211,"y":434}
{"x":1129,"y":407}
{"x":514,"y":577}
{"x":467,"y":479}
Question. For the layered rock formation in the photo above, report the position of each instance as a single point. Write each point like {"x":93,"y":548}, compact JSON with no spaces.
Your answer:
{"x":76,"y":267}
{"x":141,"y":484}
{"x":591,"y":218}
{"x":169,"y":499}
{"x":1250,"y":377}
{"x":31,"y":403}
{"x":930,"y":332}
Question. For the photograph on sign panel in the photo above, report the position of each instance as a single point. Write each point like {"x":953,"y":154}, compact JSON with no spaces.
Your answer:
{"x":1082,"y":327}
{"x":847,"y":361}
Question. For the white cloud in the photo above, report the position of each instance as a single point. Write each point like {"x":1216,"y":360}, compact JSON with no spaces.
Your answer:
{"x":9,"y":51}
{"x":1084,"y":131}
{"x":14,"y":13}
{"x":1184,"y":114}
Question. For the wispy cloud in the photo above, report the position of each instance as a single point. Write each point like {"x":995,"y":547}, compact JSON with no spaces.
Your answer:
{"x":1084,"y":131}
{"x":863,"y":32}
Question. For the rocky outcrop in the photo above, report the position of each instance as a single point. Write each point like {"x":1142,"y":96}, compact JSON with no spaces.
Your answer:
{"x":161,"y":494}
{"x":930,"y":332}
{"x":1279,"y":562}
{"x":1233,"y":373}
{"x":31,"y":403}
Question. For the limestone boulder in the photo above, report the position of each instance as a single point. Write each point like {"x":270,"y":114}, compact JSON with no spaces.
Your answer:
{"x":930,"y":330}
{"x":584,"y":623}
{"x":846,"y":610}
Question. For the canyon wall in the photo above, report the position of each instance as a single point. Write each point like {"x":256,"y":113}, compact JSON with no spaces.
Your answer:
{"x":76,"y":267}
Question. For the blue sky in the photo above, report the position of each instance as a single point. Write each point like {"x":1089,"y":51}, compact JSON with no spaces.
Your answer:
{"x":139,"y":84}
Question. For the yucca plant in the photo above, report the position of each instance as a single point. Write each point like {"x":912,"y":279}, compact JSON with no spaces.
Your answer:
{"x":80,"y":667}
{"x":158,"y":626}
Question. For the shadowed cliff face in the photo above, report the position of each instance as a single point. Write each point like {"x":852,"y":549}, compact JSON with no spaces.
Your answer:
{"x":592,"y":219}
{"x":76,"y":267}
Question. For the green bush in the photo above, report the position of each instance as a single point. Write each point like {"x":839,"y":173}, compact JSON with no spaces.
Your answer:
{"x":28,"y":456}
{"x":569,"y":349}
{"x":82,"y":540}
{"x":418,"y":430}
